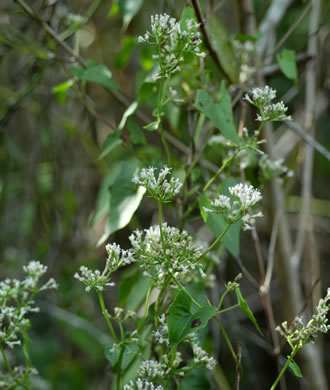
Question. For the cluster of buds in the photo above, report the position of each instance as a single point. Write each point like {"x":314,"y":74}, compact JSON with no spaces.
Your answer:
{"x":158,"y":187}
{"x":173,"y":41}
{"x":142,"y":384}
{"x":16,"y":302}
{"x":175,"y":256}
{"x":269,"y":112}
{"x":97,"y":280}
{"x":299,"y":334}
{"x":244,"y":197}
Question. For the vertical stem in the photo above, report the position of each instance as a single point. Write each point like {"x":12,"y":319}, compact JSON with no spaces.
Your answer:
{"x":231,"y":349}
{"x":159,"y":119}
{"x":295,"y":350}
{"x":106,"y":316}
{"x":160,"y":217}
{"x":146,"y":306}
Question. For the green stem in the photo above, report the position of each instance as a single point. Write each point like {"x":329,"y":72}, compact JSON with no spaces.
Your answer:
{"x":106,"y":316}
{"x":215,"y":242}
{"x":228,"y":308}
{"x":119,"y":368}
{"x":183,"y":289}
{"x":26,"y":350}
{"x":160,"y":127}
{"x":231,"y":349}
{"x":220,"y":170}
{"x":160,"y":216}
{"x":161,"y":293}
{"x":290,"y":358}
{"x":146,"y":306}
{"x":11,"y":372}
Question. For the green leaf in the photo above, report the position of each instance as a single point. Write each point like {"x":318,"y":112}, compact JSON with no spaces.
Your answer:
{"x":128,"y":9}
{"x":223,"y":46}
{"x":133,"y":288}
{"x":136,"y":134}
{"x":110,"y":143}
{"x":244,"y":37}
{"x":196,"y":379}
{"x":246,"y":310}
{"x":295,"y":368}
{"x":217,"y":225}
{"x":61,"y":90}
{"x":181,"y":321}
{"x":124,"y":198}
{"x":123,"y":57}
{"x":220,"y":113}
{"x":287,"y":62}
{"x":152,"y":126}
{"x":95,"y":73}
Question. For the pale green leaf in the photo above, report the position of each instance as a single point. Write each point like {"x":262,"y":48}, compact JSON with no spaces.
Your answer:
{"x":287,"y":62}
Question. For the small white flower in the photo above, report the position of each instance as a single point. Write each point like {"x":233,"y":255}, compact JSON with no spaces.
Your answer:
{"x":201,"y":357}
{"x":158,"y":187}
{"x":246,"y":195}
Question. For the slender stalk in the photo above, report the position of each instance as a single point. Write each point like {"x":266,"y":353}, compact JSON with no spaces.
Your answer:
{"x":220,"y":170}
{"x":119,"y":368}
{"x":106,"y":316}
{"x":160,"y":127}
{"x":160,"y":217}
{"x":215,"y":242}
{"x":11,"y":372}
{"x":290,"y":358}
{"x":146,"y":307}
{"x":229,"y":308}
{"x":161,"y":293}
{"x":231,"y":349}
{"x":183,"y":289}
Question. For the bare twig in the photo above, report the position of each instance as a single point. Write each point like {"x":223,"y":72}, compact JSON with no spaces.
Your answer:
{"x":207,"y":40}
{"x":238,"y":372}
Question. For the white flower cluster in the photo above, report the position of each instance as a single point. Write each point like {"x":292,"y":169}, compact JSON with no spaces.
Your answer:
{"x":261,"y":98}
{"x":158,"y":187}
{"x":161,"y":334}
{"x":178,"y":258}
{"x":142,"y":384}
{"x":201,"y":357}
{"x":153,"y":370}
{"x":173,"y":42}
{"x":97,"y":280}
{"x":245,"y":196}
{"x":300,"y":334}
{"x":16,"y":301}
{"x":273,"y":168}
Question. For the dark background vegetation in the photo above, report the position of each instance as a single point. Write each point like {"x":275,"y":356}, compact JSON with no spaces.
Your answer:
{"x":50,"y":176}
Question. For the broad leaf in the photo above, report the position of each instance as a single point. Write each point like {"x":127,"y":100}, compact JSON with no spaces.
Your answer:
{"x":110,"y":143}
{"x":95,"y":73}
{"x":112,"y":355}
{"x":128,"y":9}
{"x":220,"y":114}
{"x":136,"y":134}
{"x":181,"y":321}
{"x":123,"y":57}
{"x":287,"y":62}
{"x":245,"y":309}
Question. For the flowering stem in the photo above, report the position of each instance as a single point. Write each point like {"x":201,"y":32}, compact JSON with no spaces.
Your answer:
{"x":289,"y":360}
{"x":106,"y":316}
{"x":215,"y":242}
{"x":11,"y":372}
{"x":220,"y":170}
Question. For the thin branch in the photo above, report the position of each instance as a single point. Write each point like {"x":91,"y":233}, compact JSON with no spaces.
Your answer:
{"x":207,"y":41}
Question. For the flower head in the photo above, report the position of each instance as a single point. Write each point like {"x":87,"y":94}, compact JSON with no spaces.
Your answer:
{"x":244,"y":197}
{"x":173,"y":41}
{"x":262,"y":98}
{"x":158,"y":186}
{"x":175,"y":256}
{"x":97,"y":280}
